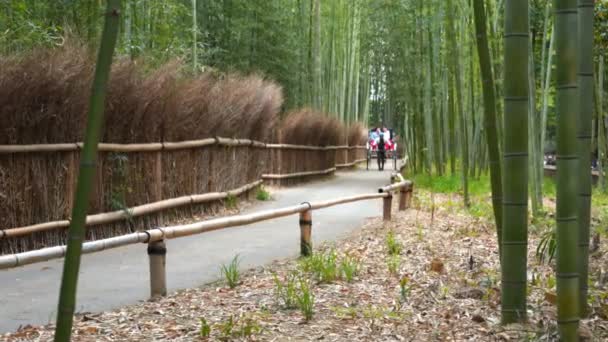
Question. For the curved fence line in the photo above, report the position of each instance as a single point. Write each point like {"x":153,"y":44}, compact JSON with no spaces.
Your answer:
{"x":127,"y":213}
{"x":157,"y":235}
{"x":160,"y":146}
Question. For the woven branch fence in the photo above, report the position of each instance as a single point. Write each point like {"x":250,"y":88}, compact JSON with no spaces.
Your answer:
{"x":141,"y":186}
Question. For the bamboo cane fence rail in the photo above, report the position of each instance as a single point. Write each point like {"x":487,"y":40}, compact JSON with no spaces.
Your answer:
{"x":155,"y":237}
{"x":37,"y":182}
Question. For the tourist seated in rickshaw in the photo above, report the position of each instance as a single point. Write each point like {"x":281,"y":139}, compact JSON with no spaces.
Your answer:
{"x":387,"y":137}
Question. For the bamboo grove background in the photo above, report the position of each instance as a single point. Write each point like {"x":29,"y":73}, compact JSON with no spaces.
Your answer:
{"x":361,"y":60}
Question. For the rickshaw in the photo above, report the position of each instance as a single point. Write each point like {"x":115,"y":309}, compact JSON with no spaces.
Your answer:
{"x":373,"y":150}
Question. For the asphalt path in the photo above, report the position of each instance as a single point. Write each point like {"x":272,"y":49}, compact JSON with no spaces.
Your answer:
{"x":118,"y":277}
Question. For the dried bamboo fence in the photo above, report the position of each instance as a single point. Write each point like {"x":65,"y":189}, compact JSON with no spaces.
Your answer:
{"x":155,"y":237}
{"x":139,"y":186}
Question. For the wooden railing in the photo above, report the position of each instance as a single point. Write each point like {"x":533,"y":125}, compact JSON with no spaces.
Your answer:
{"x":155,"y":237}
{"x":40,"y":181}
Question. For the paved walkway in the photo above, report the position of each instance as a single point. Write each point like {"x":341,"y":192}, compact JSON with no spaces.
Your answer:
{"x":119,"y":277}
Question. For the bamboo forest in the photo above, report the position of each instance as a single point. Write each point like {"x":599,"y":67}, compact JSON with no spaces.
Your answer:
{"x":302,"y":170}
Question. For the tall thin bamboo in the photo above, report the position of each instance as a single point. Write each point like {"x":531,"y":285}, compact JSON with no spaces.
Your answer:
{"x":194,"y":36}
{"x":459,"y":100}
{"x":547,"y":83}
{"x":566,"y":48}
{"x":515,"y":162}
{"x":585,"y":84}
{"x":489,"y":104}
{"x":601,"y":144}
{"x":317,"y":86}
{"x":76,"y":233}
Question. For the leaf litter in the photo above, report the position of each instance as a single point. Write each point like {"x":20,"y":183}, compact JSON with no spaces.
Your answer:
{"x":446,"y":288}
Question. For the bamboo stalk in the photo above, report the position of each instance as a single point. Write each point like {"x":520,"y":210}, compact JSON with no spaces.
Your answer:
{"x":568,"y":186}
{"x":140,"y":210}
{"x":489,"y":104}
{"x":515,"y":163}
{"x":584,"y":136}
{"x":76,"y":234}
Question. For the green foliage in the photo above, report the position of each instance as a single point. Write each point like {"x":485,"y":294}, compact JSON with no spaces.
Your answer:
{"x":393,"y":246}
{"x":393,"y":262}
{"x":287,"y":291}
{"x":545,"y":251}
{"x":306,"y":299}
{"x":243,"y":327}
{"x":349,"y":268}
{"x":231,"y":272}
{"x":404,"y":288}
{"x":231,"y":202}
{"x":451,"y":183}
{"x":262,"y":194}
{"x":205,"y":330}
{"x":323,"y":266}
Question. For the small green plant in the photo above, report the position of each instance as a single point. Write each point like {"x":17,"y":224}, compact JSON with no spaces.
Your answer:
{"x":392,"y":263}
{"x":551,"y":282}
{"x":444,"y":291}
{"x":306,"y":299}
{"x":349,"y":267}
{"x":392,"y":244}
{"x":345,"y":313}
{"x":262,"y":194}
{"x":323,"y":266}
{"x":420,"y":232}
{"x":247,"y":327}
{"x":231,"y":272}
{"x":404,"y":288}
{"x":545,"y":251}
{"x":205,"y":328}
{"x":226,"y":329}
{"x":286,"y":292}
{"x":231,"y":202}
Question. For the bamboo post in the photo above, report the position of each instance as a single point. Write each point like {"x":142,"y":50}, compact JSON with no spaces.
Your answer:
{"x":157,"y":252}
{"x":305,"y":233}
{"x":403,"y":199}
{"x":387,"y":204}
{"x":410,"y":193}
{"x":158,"y":181}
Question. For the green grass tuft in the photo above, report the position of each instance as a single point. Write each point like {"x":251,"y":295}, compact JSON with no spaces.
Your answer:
{"x":231,"y":272}
{"x":262,"y":194}
{"x":393,"y":246}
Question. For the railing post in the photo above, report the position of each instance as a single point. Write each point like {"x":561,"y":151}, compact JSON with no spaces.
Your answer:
{"x":305,"y":233}
{"x":410,"y":193}
{"x":387,"y":204}
{"x":157,"y":252}
{"x":402,"y":199}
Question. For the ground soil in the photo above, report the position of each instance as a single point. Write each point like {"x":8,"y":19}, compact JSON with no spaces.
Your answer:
{"x":448,"y":266}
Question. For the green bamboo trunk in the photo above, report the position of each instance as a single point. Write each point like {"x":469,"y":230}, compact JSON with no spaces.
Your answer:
{"x":88,"y":158}
{"x":194,"y":37}
{"x":459,"y":100}
{"x":601,"y":138}
{"x":318,"y":102}
{"x":489,"y":103}
{"x":515,"y":162}
{"x":585,"y":80}
{"x":566,"y":46}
